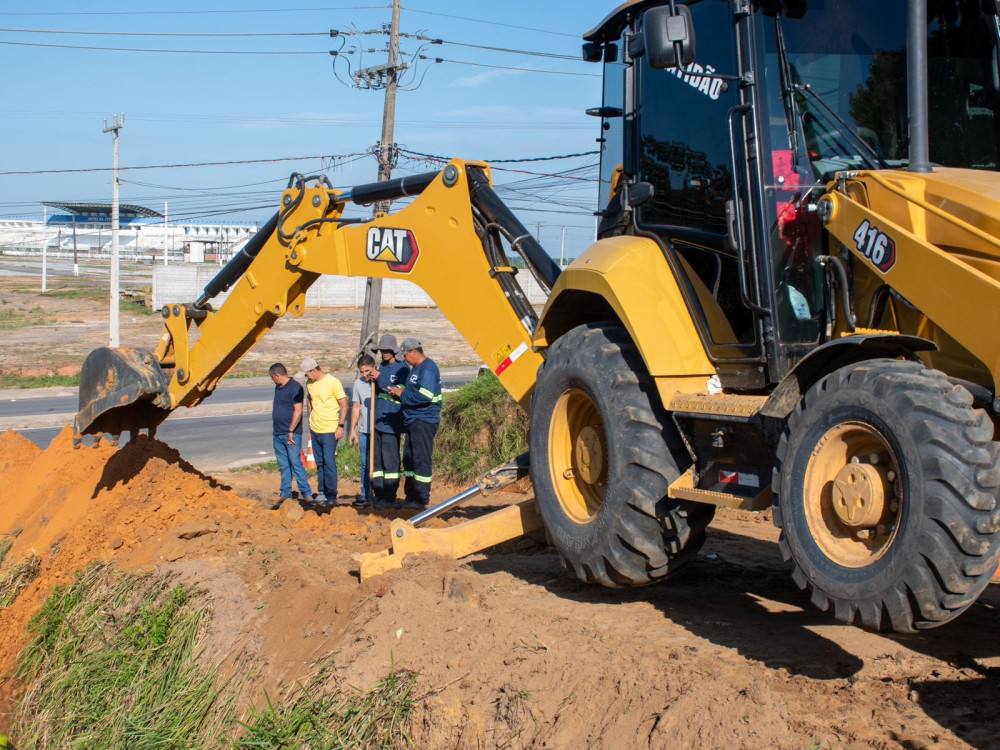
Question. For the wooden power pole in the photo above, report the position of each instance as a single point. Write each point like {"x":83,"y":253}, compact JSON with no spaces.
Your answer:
{"x":370,"y":317}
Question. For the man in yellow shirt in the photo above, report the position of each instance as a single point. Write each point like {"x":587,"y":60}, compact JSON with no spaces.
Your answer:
{"x":327,"y":413}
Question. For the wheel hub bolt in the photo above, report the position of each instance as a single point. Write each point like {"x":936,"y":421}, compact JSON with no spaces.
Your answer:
{"x":864,"y":534}
{"x":568,"y":474}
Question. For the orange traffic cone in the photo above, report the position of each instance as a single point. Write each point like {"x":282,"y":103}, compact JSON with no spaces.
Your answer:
{"x":308,"y":459}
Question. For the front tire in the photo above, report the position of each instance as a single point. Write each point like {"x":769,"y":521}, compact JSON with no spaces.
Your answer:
{"x":887,"y":485}
{"x":608,"y":459}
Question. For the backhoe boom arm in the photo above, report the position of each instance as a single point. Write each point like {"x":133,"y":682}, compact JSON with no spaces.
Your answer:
{"x":448,"y":241}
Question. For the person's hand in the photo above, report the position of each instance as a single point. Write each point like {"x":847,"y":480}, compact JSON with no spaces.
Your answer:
{"x":339,"y":434}
{"x":396,"y":391}
{"x":353,"y":439}
{"x":291,"y":438}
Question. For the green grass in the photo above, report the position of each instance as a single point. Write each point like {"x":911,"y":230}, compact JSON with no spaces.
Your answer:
{"x":111,"y":664}
{"x":12,"y":319}
{"x":16,"y":577}
{"x":77,"y":292}
{"x":135,"y":307}
{"x":481,"y":427}
{"x":348,"y":463}
{"x":38,"y":381}
{"x":376,"y":719}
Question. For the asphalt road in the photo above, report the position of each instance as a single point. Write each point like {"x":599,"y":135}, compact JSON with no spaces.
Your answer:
{"x":206,"y":438}
{"x":209,"y":443}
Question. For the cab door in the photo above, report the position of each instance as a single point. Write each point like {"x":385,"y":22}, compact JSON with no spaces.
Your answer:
{"x":686,"y":125}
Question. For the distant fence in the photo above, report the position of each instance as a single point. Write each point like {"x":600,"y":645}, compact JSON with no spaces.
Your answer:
{"x":184,"y":283}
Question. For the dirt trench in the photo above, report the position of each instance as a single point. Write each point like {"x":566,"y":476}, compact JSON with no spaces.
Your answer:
{"x":511,"y":652}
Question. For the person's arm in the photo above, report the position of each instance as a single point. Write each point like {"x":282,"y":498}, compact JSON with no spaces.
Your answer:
{"x":355,"y":422}
{"x":296,"y":416}
{"x":425,"y":391}
{"x":339,"y":434}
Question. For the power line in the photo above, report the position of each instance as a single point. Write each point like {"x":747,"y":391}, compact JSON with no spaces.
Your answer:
{"x":191,"y":12}
{"x":491,"y":23}
{"x":165,"y":51}
{"x":575,"y":58}
{"x":163,"y":33}
{"x":506,"y":161}
{"x":505,"y":67}
{"x":180,"y":166}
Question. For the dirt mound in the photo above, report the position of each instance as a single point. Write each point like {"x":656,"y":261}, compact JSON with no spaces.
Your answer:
{"x":511,"y":652}
{"x":142,"y":507}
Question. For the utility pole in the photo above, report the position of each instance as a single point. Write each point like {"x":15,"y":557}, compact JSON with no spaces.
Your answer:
{"x":562,"y":250}
{"x":115,"y":126}
{"x":370,"y":317}
{"x":76,"y":263}
{"x":166,"y":234}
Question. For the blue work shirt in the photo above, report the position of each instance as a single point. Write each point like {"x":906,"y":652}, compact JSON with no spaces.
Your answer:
{"x":388,"y":410}
{"x":285,"y":398}
{"x":422,"y":395}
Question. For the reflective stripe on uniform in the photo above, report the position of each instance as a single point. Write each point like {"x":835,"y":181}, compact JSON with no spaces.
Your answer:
{"x":430,"y":394}
{"x":425,"y":480}
{"x":387,"y":475}
{"x":378,"y":474}
{"x":389,"y":398}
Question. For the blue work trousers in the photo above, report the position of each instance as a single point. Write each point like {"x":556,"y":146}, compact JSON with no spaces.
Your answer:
{"x":325,"y":453}
{"x":290,"y":462}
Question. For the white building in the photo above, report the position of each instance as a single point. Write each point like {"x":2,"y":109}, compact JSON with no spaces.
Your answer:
{"x":84,"y":230}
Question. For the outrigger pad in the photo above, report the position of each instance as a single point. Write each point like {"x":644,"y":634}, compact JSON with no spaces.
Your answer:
{"x":121,"y":390}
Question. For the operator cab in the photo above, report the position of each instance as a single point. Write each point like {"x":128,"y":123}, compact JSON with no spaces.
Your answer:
{"x":724,"y":120}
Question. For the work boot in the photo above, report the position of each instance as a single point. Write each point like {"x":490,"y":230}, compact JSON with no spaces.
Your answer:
{"x":413,"y":505}
{"x":362,"y":502}
{"x":385,"y":504}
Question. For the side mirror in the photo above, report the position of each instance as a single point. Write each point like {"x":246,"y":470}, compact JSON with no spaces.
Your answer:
{"x":668,"y":39}
{"x":592,"y":52}
{"x":639,"y":193}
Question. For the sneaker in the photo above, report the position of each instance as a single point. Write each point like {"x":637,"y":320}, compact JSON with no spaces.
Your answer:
{"x":362,"y":502}
{"x":319,"y":499}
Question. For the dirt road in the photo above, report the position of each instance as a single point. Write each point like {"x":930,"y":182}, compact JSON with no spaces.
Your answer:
{"x":511,"y":652}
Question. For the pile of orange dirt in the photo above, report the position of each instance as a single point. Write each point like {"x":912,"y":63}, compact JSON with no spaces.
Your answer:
{"x":511,"y":651}
{"x":144,"y":508}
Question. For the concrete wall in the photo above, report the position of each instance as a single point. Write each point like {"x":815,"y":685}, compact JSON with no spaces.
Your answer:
{"x":183,"y":283}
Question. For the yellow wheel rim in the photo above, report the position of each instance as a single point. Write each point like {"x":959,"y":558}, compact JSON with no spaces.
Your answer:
{"x":852,"y":495}
{"x":578,"y":456}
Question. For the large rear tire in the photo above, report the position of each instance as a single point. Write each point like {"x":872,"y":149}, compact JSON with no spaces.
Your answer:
{"x":887,"y":484}
{"x":607,"y":460}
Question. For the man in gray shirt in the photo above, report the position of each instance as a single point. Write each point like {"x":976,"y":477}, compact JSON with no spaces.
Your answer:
{"x":361,"y":424}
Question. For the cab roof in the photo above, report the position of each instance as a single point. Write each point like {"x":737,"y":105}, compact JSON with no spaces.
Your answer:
{"x":611,"y":27}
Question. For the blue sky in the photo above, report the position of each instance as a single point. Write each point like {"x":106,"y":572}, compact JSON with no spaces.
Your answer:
{"x":196,"y":108}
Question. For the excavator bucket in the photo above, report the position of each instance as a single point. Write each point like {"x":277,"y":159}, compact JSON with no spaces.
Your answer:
{"x":121,"y":390}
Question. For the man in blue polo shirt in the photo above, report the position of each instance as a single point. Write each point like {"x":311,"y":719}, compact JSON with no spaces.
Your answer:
{"x":421,"y":400}
{"x":286,"y":414}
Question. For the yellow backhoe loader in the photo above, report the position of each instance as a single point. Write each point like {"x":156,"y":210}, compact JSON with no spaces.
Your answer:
{"x":793,"y":302}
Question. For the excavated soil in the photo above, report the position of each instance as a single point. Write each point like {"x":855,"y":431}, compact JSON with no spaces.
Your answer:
{"x":510,"y":651}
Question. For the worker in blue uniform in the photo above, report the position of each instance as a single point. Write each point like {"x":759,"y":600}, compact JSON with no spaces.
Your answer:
{"x":388,"y":424}
{"x":421,"y":400}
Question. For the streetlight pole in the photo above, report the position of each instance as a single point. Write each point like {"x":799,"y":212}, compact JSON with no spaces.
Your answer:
{"x":115,"y":339}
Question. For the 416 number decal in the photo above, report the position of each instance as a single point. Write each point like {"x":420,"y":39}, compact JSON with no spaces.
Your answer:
{"x":875,"y":245}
